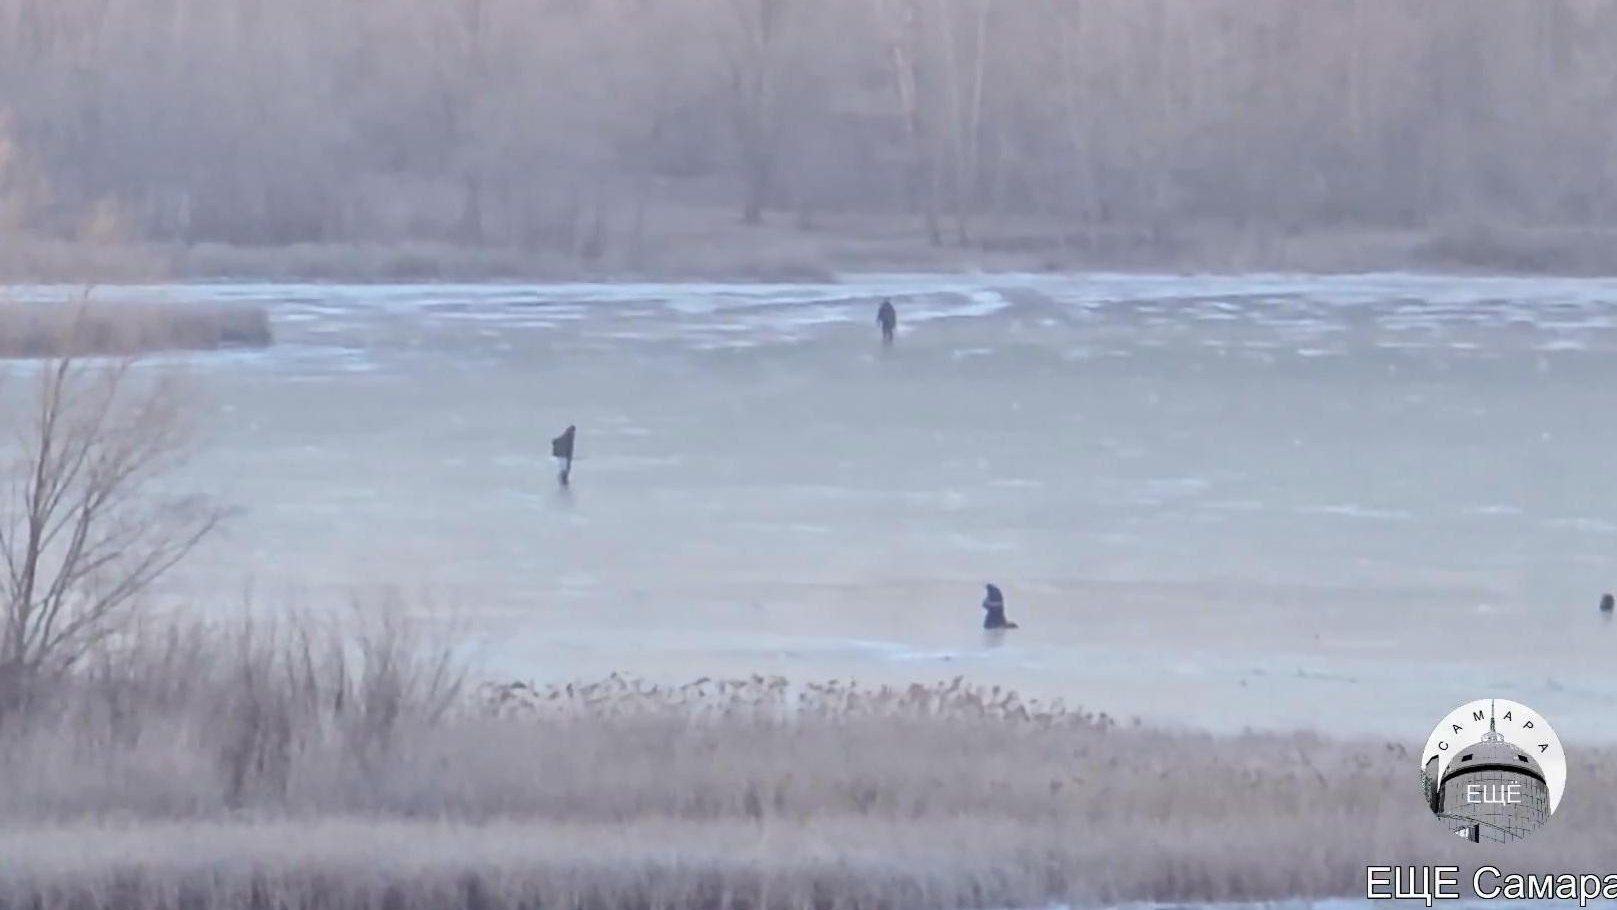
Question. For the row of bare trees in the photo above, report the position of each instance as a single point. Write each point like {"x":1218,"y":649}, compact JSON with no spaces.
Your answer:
{"x":533,"y":123}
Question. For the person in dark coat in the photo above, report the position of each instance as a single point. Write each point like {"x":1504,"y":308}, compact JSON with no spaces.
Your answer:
{"x":1607,"y":604}
{"x":887,"y":318}
{"x":994,"y":603}
{"x":561,"y":448}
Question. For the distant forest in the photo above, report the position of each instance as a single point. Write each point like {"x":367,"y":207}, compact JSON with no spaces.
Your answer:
{"x":553,"y":124}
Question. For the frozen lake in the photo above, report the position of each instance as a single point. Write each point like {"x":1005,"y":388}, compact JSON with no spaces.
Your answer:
{"x":1350,"y":503}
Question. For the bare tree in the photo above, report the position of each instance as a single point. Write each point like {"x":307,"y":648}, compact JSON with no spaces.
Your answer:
{"x":517,"y":123}
{"x":753,"y":59}
{"x":905,"y":30}
{"x":965,"y":103}
{"x":87,"y":525}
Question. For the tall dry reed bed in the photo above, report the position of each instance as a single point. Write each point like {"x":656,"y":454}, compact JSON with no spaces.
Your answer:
{"x":295,"y":765}
{"x":37,"y":329}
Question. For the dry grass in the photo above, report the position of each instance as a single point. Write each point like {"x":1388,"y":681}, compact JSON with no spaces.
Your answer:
{"x":28,"y":258}
{"x":298,"y":764}
{"x":36,"y":329}
{"x":706,"y":243}
{"x":1482,"y":245}
{"x":365,"y":262}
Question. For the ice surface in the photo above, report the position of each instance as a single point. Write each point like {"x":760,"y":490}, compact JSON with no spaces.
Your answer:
{"x":1259,"y":500}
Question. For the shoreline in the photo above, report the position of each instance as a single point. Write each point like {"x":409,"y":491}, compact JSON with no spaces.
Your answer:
{"x":835,"y":278}
{"x":721,"y":251}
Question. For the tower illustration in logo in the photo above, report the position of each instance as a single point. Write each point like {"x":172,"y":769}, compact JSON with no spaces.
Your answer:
{"x":1494,"y":771}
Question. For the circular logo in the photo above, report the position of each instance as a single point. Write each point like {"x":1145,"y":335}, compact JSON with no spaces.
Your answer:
{"x":1493,"y":771}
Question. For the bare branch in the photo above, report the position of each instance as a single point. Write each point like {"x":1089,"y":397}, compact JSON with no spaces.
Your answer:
{"x":86,"y":528}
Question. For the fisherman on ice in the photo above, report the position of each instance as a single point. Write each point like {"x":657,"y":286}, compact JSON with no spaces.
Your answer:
{"x":561,"y":448}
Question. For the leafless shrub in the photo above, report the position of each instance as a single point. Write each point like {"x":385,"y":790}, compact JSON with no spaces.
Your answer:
{"x":87,"y":523}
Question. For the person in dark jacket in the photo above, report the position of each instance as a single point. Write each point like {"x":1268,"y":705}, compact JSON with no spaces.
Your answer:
{"x":994,"y":603}
{"x":1607,"y":604}
{"x":561,"y":448}
{"x":887,"y":318}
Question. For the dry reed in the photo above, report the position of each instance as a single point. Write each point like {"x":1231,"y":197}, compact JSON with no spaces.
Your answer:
{"x":304,"y":764}
{"x":34,"y":329}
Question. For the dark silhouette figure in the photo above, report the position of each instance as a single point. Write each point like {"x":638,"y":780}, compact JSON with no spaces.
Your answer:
{"x":887,"y":318}
{"x":1607,"y":604}
{"x":994,"y":603}
{"x":561,"y":448}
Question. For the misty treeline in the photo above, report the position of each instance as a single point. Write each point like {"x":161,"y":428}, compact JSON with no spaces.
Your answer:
{"x":560,"y":124}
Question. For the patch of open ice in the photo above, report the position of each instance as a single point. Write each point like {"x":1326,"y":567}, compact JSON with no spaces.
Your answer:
{"x":1351,"y":510}
{"x":1563,"y":344}
{"x":1379,"y":644}
{"x":1492,"y":510}
{"x":1234,"y":505}
{"x":1588,"y":525}
{"x":1016,"y":483}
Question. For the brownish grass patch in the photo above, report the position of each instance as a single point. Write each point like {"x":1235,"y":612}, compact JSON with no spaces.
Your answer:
{"x":41,"y":329}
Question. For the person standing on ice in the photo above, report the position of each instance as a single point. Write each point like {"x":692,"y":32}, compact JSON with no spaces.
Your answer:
{"x":887,"y":318}
{"x":561,"y":448}
{"x":994,"y":603}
